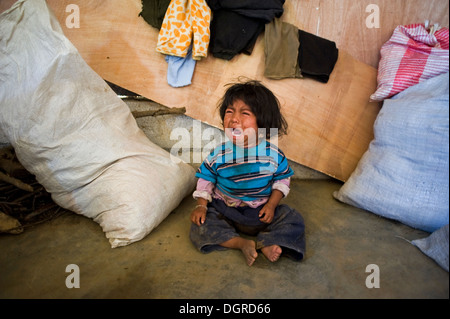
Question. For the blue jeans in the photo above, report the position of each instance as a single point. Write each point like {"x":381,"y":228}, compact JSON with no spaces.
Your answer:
{"x":223,"y":223}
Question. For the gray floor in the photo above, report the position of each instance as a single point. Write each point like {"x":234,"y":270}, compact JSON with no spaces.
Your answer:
{"x":341,"y":242}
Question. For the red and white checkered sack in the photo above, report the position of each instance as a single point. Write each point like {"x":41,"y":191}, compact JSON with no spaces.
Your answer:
{"x":411,"y":55}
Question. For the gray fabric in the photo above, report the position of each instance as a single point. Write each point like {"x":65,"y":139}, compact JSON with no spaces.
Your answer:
{"x":435,"y":246}
{"x":404,"y":175}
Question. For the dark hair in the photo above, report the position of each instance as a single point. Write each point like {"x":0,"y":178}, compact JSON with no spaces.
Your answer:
{"x":262,"y":102}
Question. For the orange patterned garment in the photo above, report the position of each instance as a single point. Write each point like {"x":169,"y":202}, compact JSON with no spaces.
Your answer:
{"x":186,"y":22}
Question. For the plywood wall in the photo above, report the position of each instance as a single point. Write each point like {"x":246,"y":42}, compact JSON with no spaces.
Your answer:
{"x":331,"y":125}
{"x":344,"y":21}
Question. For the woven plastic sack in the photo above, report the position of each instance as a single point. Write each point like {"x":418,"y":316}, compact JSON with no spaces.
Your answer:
{"x":404,"y":175}
{"x":79,"y":139}
{"x":412,"y":55}
{"x":435,"y":246}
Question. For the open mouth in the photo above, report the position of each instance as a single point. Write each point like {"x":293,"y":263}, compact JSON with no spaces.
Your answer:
{"x":236,"y":132}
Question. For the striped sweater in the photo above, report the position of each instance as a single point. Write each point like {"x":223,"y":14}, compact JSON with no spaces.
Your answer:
{"x":246,"y":174}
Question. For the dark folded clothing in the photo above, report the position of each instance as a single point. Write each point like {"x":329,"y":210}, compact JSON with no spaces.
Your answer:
{"x":236,"y":24}
{"x":232,"y":33}
{"x":316,"y":56}
{"x":265,"y":10}
{"x":153,"y":12}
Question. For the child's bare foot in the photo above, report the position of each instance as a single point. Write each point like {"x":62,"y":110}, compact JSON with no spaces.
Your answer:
{"x":247,"y":246}
{"x":249,"y":251}
{"x":272,"y":252}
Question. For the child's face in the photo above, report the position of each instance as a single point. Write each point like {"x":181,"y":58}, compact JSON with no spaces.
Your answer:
{"x":240,"y":124}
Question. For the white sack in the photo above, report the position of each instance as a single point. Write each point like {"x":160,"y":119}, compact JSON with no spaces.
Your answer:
{"x":72,"y":132}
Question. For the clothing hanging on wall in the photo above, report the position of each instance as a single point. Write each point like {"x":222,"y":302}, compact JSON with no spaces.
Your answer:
{"x":293,"y":53}
{"x":316,"y":56}
{"x":180,"y":70}
{"x":281,"y":45}
{"x":237,"y":24}
{"x":186,"y":22}
{"x":153,"y":12}
{"x":183,"y":35}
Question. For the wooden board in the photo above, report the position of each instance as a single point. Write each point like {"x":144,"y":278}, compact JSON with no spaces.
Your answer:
{"x":344,"y":21}
{"x":330,"y":125}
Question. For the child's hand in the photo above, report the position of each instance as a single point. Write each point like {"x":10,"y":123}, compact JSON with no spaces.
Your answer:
{"x":198,"y":215}
{"x":266,"y":213}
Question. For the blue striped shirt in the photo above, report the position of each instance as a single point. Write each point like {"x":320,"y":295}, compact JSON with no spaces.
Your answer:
{"x":245,"y":173}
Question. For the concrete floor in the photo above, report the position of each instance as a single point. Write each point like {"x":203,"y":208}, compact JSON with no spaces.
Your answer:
{"x":341,"y":242}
